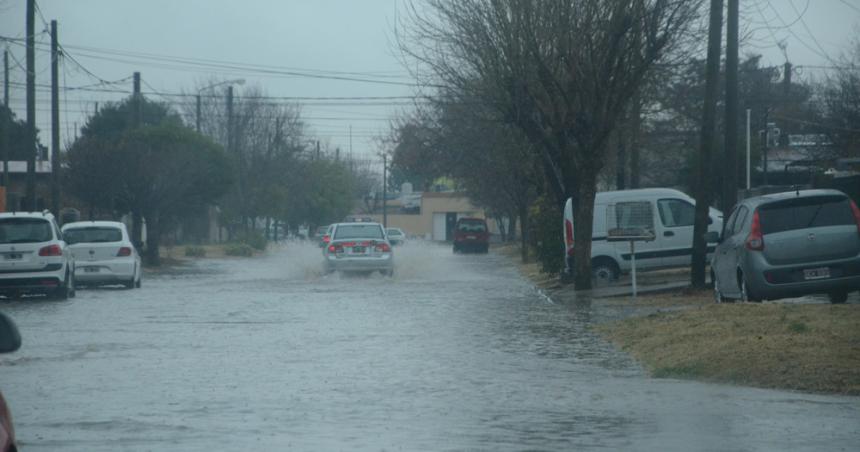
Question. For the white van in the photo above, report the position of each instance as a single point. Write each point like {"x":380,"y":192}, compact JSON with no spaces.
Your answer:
{"x":673,"y":216}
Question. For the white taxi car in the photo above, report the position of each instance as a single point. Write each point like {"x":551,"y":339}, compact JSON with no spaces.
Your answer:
{"x":104,"y":253}
{"x":34,"y":258}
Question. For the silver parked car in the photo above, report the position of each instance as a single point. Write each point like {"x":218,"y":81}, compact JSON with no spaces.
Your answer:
{"x":104,"y":253}
{"x":396,"y":236}
{"x":788,"y":245}
{"x":358,"y":247}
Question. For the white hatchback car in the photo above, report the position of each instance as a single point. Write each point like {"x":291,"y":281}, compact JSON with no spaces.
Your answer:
{"x":104,"y":253}
{"x":34,"y":258}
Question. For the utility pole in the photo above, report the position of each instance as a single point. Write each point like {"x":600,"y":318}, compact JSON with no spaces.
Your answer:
{"x":197,"y":128}
{"x":765,"y":145}
{"x":30,"y":142}
{"x":385,"y":190}
{"x":730,"y":162}
{"x":7,"y":120}
{"x":318,"y":150}
{"x":748,"y":149}
{"x":230,"y":119}
{"x":704,"y":185}
{"x":138,"y":117}
{"x":55,"y":122}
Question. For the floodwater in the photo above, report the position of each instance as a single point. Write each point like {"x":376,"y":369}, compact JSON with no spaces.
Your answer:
{"x":456,"y":352}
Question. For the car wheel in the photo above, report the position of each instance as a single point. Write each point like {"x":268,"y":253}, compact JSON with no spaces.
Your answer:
{"x":604,"y":271}
{"x":746,"y":295}
{"x":62,"y":292}
{"x":128,"y":284}
{"x":73,"y":286}
{"x":139,"y":282}
{"x":718,"y":296}
{"x":838,"y":297}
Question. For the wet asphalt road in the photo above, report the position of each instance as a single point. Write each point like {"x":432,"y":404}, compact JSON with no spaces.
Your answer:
{"x":453,"y":353}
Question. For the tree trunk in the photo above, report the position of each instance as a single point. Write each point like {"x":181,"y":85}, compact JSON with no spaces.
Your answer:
{"x":512,"y":227}
{"x":704,"y":187}
{"x":583,"y":217}
{"x":153,"y":241}
{"x":137,"y":229}
{"x":621,"y":158}
{"x":524,"y":244}
{"x":635,"y":126}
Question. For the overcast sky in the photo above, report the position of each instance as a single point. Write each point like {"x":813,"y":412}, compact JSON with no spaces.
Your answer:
{"x":339,"y":38}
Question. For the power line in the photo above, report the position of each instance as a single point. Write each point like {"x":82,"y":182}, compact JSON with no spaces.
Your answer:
{"x":854,"y":7}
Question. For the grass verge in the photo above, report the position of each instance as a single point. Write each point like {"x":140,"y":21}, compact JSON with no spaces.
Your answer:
{"x":809,"y":347}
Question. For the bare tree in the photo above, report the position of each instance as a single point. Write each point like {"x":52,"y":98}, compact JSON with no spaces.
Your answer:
{"x":266,"y":136}
{"x":563,"y":71}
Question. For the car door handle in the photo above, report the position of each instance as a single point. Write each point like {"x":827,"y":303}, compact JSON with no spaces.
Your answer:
{"x":668,"y":234}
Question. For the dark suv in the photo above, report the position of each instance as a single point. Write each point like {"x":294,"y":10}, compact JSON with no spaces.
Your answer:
{"x":788,"y":245}
{"x":471,"y":234}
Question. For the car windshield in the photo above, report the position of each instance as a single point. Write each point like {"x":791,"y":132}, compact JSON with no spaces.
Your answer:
{"x":394,"y":232}
{"x":803,"y":213}
{"x":25,"y":230}
{"x":358,"y":231}
{"x":472,"y":226}
{"x":93,"y":234}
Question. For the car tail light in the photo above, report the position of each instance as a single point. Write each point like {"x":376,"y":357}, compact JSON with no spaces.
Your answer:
{"x":124,"y":252}
{"x":326,"y":238}
{"x":755,"y":241}
{"x":856,"y":211}
{"x":335,"y":249}
{"x":51,"y":250}
{"x":383,"y":247}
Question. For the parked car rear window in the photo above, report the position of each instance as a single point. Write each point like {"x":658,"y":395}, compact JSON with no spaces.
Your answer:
{"x":25,"y":230}
{"x":92,"y":235}
{"x":802,"y":213}
{"x":358,"y":231}
{"x":472,"y":226}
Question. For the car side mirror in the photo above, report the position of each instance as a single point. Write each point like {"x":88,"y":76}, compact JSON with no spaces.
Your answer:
{"x":10,"y":338}
{"x":712,"y":237}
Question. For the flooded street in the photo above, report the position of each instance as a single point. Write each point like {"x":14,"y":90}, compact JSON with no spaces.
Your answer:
{"x":456,"y":352}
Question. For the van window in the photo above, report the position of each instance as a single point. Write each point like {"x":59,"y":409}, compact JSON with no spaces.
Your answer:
{"x":802,"y":213}
{"x":676,"y":213}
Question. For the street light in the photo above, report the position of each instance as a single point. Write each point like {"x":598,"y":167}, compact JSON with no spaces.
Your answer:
{"x":238,"y":81}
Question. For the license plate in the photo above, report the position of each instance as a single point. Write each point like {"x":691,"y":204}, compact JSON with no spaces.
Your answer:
{"x":13,"y":256}
{"x":816,"y":273}
{"x":358,"y":250}
{"x":471,"y":237}
{"x":91,"y":269}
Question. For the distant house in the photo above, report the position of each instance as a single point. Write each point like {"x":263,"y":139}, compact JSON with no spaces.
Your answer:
{"x":431,"y":215}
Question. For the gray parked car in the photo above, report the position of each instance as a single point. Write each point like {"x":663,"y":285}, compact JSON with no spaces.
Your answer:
{"x":788,"y":245}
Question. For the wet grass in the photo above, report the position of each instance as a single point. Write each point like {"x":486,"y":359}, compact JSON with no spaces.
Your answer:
{"x":807,"y":347}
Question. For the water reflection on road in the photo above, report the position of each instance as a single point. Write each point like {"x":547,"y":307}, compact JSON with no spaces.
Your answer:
{"x":453,"y":353}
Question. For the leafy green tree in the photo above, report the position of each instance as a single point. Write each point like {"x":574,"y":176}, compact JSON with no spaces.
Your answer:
{"x":168,"y":171}
{"x":155,"y":168}
{"x":17,"y":136}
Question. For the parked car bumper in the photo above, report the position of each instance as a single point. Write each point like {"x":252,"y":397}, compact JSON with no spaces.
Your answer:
{"x":32,"y":282}
{"x":105,"y":271}
{"x":369,"y":263}
{"x":469,"y":245}
{"x":772,"y":282}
